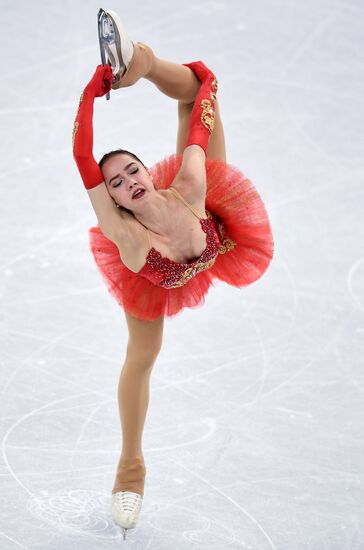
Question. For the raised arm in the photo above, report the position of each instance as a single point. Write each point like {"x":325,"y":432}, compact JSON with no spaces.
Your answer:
{"x":201,"y":125}
{"x":109,"y":219}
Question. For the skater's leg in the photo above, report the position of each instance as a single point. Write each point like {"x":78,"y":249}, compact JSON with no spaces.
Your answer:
{"x":145,"y":340}
{"x":216,"y":147}
{"x":172,"y":79}
{"x":134,"y":60}
{"x":178,"y":82}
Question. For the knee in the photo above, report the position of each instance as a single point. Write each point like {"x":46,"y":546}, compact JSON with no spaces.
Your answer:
{"x":145,"y":341}
{"x":144,"y":356}
{"x":185,"y":109}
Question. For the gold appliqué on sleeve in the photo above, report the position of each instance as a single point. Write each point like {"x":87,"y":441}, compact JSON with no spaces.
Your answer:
{"x":74,"y":132}
{"x":76,"y":123}
{"x":208,"y":112}
{"x":207,"y":115}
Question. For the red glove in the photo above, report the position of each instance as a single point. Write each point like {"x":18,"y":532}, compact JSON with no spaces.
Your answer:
{"x":82,"y":137}
{"x":203,"y":112}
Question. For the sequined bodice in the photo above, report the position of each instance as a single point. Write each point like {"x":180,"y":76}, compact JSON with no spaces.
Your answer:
{"x":164,"y":272}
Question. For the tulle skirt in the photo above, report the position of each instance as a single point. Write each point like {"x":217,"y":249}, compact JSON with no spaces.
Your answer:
{"x":245,"y":252}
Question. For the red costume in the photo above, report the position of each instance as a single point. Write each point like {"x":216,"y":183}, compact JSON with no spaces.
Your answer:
{"x":239,"y":242}
{"x":239,"y":247}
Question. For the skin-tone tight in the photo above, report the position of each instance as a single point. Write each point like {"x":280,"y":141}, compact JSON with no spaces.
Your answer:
{"x":145,"y":337}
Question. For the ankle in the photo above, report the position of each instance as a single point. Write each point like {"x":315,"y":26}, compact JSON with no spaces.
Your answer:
{"x":130,"y":475}
{"x":146,"y":59}
{"x":131,"y":456}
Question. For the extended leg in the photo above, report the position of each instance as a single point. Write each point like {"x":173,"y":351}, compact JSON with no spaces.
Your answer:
{"x":173,"y":79}
{"x":178,"y":82}
{"x":181,"y":83}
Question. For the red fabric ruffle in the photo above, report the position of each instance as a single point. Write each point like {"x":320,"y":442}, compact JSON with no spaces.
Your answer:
{"x":242,"y":222}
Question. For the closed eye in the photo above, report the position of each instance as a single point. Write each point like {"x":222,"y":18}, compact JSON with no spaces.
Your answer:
{"x":117,"y":184}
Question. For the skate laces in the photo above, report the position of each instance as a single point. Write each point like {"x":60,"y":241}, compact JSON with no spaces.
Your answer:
{"x":128,"y":503}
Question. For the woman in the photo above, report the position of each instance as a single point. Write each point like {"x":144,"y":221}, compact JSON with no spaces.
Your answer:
{"x":163,"y":234}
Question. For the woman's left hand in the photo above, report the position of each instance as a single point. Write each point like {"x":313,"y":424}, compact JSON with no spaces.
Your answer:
{"x":101,"y":81}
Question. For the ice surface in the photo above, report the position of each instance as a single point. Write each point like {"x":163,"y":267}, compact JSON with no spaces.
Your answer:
{"x":254,"y":434}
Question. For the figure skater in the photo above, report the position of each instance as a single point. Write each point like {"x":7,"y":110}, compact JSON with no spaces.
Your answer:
{"x":164,"y":233}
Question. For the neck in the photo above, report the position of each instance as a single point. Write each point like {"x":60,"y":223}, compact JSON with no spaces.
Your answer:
{"x":155,"y":213}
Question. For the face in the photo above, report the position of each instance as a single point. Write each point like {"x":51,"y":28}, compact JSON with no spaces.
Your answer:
{"x":123,"y":176}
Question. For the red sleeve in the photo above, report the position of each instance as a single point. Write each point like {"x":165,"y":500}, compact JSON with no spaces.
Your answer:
{"x":203,"y":112}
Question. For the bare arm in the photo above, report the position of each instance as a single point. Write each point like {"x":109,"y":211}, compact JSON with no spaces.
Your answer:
{"x":191,"y":177}
{"x":114,"y":222}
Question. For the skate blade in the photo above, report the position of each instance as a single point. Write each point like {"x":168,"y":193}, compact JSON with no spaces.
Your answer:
{"x":106,"y":35}
{"x":125,"y":531}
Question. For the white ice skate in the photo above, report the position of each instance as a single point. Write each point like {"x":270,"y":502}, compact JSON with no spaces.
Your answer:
{"x":125,"y":509}
{"x":116,"y":48}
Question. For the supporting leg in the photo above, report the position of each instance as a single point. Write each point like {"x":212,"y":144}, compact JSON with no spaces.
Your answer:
{"x":145,"y":340}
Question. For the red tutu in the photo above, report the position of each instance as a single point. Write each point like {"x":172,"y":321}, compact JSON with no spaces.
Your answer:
{"x":241,"y":218}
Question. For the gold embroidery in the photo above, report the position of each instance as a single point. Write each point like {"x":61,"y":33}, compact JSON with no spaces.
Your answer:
{"x":221,"y":229}
{"x":76,"y":123}
{"x":226,"y":246}
{"x":208,"y":115}
{"x":74,"y":132}
{"x":191,"y":272}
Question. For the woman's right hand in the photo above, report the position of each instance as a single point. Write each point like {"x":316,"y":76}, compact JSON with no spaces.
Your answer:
{"x":101,"y":81}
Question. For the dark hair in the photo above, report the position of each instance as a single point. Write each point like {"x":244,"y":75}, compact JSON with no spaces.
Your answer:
{"x":115,"y":152}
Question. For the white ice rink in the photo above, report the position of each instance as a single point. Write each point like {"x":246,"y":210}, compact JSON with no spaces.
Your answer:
{"x":254,"y":434}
